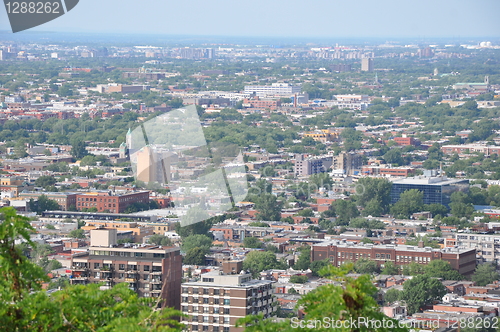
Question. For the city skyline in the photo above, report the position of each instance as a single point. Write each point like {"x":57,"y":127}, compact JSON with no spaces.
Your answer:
{"x":326,"y":19}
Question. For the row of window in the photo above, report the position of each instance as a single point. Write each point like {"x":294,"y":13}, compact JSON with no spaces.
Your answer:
{"x":206,"y":319}
{"x":412,"y":258}
{"x":205,"y":291}
{"x":205,"y":300}
{"x":128,"y":254}
{"x":93,"y":199}
{"x":205,"y":328}
{"x":207,"y":310}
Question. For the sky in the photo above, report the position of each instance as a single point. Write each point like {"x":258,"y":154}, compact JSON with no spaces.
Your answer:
{"x":278,"y":18}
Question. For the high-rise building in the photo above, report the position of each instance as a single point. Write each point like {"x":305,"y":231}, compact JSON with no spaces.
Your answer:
{"x":218,"y":300}
{"x":149,"y":270}
{"x":277,"y":89}
{"x":366,"y":64}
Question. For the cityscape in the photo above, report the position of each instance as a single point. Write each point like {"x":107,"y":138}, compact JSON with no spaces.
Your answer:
{"x":225,"y":184}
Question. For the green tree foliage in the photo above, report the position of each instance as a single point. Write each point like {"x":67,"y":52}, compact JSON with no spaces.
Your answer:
{"x":366,"y":223}
{"x":390,"y":268}
{"x":317,"y":266}
{"x":43,"y":204}
{"x":77,"y":233}
{"x":409,"y":202}
{"x":485,"y":274}
{"x":306,"y":213}
{"x":296,"y":279}
{"x":24,"y":307}
{"x":392,"y":295}
{"x":160,"y":240}
{"x":461,"y":205}
{"x":374,"y":193}
{"x":252,"y":242}
{"x":420,"y":291}
{"x":45,"y":181}
{"x":346,"y":299}
{"x":304,"y":261}
{"x":268,"y":208}
{"x":195,"y":256}
{"x":196,"y":241}
{"x":366,"y":266}
{"x":258,"y":224}
{"x":345,"y":211}
{"x":78,"y":149}
{"x":412,"y":269}
{"x":442,"y":269}
{"x":258,"y":261}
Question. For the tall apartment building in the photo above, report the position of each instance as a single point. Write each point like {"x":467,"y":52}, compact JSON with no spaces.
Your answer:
{"x":217,"y":301}
{"x":338,"y":252}
{"x":348,"y":162}
{"x":313,"y":165}
{"x":366,"y":64}
{"x":150,"y":271}
{"x":277,"y":89}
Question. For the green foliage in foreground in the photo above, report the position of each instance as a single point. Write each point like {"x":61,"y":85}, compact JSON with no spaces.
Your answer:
{"x":338,"y":303}
{"x":25,"y":307}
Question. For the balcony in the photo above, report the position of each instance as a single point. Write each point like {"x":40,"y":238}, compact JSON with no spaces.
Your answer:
{"x":155,"y":281}
{"x":130,"y":280}
{"x":79,"y":268}
{"x":156,"y":272}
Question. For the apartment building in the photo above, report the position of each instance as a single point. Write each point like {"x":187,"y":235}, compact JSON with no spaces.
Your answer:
{"x":313,"y":165}
{"x":488,"y":150}
{"x":149,"y":270}
{"x":339,"y":252}
{"x":218,"y":300}
{"x":487,"y":246}
{"x":275,"y":89}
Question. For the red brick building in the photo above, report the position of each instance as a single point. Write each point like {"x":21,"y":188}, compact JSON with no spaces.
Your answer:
{"x":462,"y":260}
{"x":108,"y":202}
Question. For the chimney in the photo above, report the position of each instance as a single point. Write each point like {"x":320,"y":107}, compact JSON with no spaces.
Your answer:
{"x":420,"y":244}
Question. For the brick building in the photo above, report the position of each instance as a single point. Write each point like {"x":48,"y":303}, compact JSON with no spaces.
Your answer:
{"x":149,"y":270}
{"x":338,"y":252}
{"x":106,"y":201}
{"x":218,"y":300}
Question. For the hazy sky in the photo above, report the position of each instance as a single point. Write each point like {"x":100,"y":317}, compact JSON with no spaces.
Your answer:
{"x":292,"y":18}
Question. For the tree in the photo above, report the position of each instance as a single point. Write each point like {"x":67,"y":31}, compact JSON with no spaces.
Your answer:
{"x":160,"y":240}
{"x":392,"y":295}
{"x":345,"y":211}
{"x":304,"y":261}
{"x":366,"y":266}
{"x":84,"y":308}
{"x":252,"y":242}
{"x":195,"y":256}
{"x":258,"y":261}
{"x":441,"y":269}
{"x":45,"y":181}
{"x":317,"y":266}
{"x":43,"y":204}
{"x":196,"y":241}
{"x":296,"y":279}
{"x":379,"y":190}
{"x":409,"y":202}
{"x":393,"y":156}
{"x":77,"y":233}
{"x":78,"y":149}
{"x":390,"y":268}
{"x":346,"y":299}
{"x":420,"y":291}
{"x":485,"y":274}
{"x":412,"y":269}
{"x":268,"y":208}
{"x":258,"y":224}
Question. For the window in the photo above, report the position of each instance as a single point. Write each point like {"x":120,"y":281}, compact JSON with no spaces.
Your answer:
{"x":195,"y":327}
{"x":216,"y":292}
{"x":195,"y":290}
{"x":121,"y":267}
{"x":226,"y":311}
{"x":205,"y":319}
{"x":195,"y":308}
{"x":205,"y":328}
{"x":205,"y":300}
{"x":216,"y":310}
{"x":184,"y":299}
{"x":205,"y":291}
{"x":226,"y":321}
{"x":205,"y":310}
{"x":216,"y":328}
{"x":184,"y":290}
{"x":216,"y":301}
{"x":226,"y":301}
